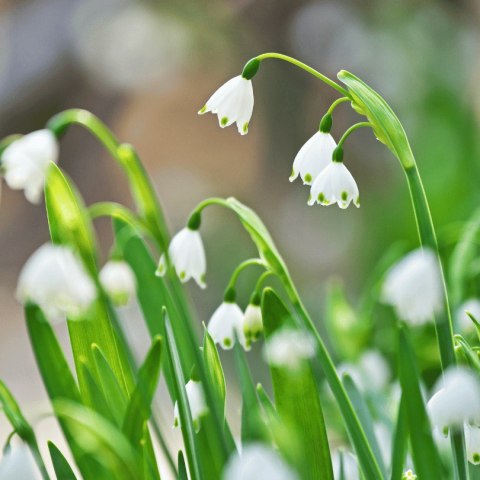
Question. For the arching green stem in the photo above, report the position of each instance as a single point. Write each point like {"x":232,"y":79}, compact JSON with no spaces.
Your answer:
{"x":351,"y":130}
{"x":243,"y":266}
{"x":305,"y":67}
{"x":261,"y":279}
{"x":337,"y":102}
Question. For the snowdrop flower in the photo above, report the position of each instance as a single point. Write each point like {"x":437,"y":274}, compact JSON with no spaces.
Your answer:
{"x":233,"y":101}
{"x":414,"y":288}
{"x":196,"y":401}
{"x":187,"y":254}
{"x":55,"y":279}
{"x":18,"y":464}
{"x":464,"y":322}
{"x":257,"y":461}
{"x":252,"y":319}
{"x":25,"y":162}
{"x":227,"y":322}
{"x":313,"y":157}
{"x":118,"y":281}
{"x":335,"y":184}
{"x":289,"y":348}
{"x":472,"y":440}
{"x":346,"y":462}
{"x":409,"y":475}
{"x":457,"y":399}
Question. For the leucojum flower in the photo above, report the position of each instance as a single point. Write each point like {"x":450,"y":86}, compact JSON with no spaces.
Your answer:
{"x":233,"y":101}
{"x":118,"y":281}
{"x":414,"y":288}
{"x":252,"y":319}
{"x":196,"y":401}
{"x":18,"y":464}
{"x":24,"y":163}
{"x":463,"y":321}
{"x":55,"y":279}
{"x":187,"y":254}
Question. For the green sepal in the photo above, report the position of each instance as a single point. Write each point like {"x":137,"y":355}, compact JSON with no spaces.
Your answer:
{"x":251,"y":68}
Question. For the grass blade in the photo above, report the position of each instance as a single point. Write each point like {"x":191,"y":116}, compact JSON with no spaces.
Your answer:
{"x":62,"y":468}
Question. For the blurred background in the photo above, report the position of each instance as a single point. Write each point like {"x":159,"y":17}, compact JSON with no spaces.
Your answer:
{"x":146,"y":67}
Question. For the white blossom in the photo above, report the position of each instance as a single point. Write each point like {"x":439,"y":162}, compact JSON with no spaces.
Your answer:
{"x":226,"y":323}
{"x":118,"y":281}
{"x":232,"y":102}
{"x":334,"y":184}
{"x":313,"y":157}
{"x":414,"y":288}
{"x":257,"y":461}
{"x":196,"y":402}
{"x":25,"y":162}
{"x":187,"y":255}
{"x":464,"y":322}
{"x":252,"y":322}
{"x":472,"y":443}
{"x":18,"y":464}
{"x":347,"y":462}
{"x":457,"y":399}
{"x":289,"y":348}
{"x":409,"y":475}
{"x":55,"y":279}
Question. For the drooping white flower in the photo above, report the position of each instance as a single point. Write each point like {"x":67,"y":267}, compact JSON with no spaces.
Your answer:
{"x":187,"y":255}
{"x":196,"y":401}
{"x":18,"y":464}
{"x":118,"y":281}
{"x":226,"y":323}
{"x":313,"y":157}
{"x":55,"y":279}
{"x":414,"y":288}
{"x":472,"y":443}
{"x":252,"y":320}
{"x":464,"y":322}
{"x":346,"y":463}
{"x":334,"y":184}
{"x":409,"y":475}
{"x":289,"y":348}
{"x":257,"y":461}
{"x":232,"y":102}
{"x":25,"y":162}
{"x":457,"y":399}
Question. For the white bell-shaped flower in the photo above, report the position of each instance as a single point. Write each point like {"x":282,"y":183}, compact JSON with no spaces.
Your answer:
{"x":232,"y":102}
{"x":313,"y":157}
{"x":196,"y":401}
{"x":25,"y":162}
{"x":414,"y":288}
{"x":226,"y":323}
{"x":55,"y":279}
{"x":118,"y":281}
{"x":252,"y":319}
{"x":409,"y":475}
{"x":472,"y":443}
{"x":257,"y":461}
{"x":289,"y":348}
{"x":187,"y":255}
{"x":334,"y":184}
{"x":18,"y":464}
{"x":457,"y":399}
{"x":345,"y":465}
{"x":464,"y":322}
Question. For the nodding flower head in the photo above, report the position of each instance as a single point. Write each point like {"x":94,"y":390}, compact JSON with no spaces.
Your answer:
{"x":118,"y":281}
{"x":252,"y":319}
{"x":232,"y":102}
{"x":25,"y":162}
{"x":472,"y":443}
{"x":196,"y":402}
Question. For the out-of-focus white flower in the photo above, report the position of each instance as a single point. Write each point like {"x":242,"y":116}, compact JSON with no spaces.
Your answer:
{"x":345,"y":462}
{"x":252,"y":321}
{"x":54,"y":278}
{"x":384,"y":440}
{"x":118,"y":281}
{"x":187,"y":255}
{"x":313,"y":157}
{"x":457,"y":399}
{"x":289,"y":348}
{"x":226,"y":323}
{"x":257,"y":461}
{"x":18,"y":464}
{"x":409,"y":475}
{"x":472,"y":441}
{"x":413,"y":286}
{"x":464,"y":322}
{"x":25,"y":162}
{"x":196,"y":401}
{"x":232,"y":102}
{"x":334,"y":184}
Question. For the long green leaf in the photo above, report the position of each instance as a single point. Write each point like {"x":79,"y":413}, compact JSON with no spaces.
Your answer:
{"x":62,"y":468}
{"x":400,"y":442}
{"x":214,"y":369}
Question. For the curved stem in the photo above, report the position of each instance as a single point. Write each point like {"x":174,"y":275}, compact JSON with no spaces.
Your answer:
{"x":337,"y":102}
{"x":351,"y":130}
{"x":262,"y":278}
{"x":305,"y":67}
{"x":241,"y":267}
